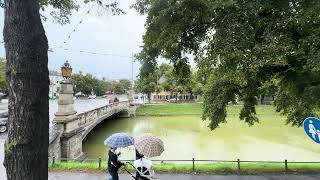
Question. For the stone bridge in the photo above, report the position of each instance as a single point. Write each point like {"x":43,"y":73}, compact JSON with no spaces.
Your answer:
{"x":69,"y":128}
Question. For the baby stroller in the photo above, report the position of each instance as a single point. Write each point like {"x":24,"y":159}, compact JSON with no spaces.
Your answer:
{"x":143,"y":169}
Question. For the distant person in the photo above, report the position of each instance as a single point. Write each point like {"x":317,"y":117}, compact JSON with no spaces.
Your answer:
{"x":116,"y":99}
{"x":114,"y":164}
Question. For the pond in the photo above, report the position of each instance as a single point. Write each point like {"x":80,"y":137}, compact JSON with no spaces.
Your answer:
{"x":187,"y":137}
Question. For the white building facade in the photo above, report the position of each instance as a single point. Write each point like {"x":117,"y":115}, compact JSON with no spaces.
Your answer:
{"x":55,"y":79}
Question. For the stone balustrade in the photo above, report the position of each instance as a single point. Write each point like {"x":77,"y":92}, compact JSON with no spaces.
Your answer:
{"x":66,"y":138}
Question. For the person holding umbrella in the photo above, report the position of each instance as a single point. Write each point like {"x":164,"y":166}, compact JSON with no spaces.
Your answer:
{"x":113,"y":163}
{"x":149,"y":146}
{"x":114,"y":141}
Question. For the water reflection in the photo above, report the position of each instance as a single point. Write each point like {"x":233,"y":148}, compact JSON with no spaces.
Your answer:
{"x":188,"y":136}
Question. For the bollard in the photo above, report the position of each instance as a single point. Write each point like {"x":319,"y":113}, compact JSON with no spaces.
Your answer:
{"x":53,"y":159}
{"x":238,"y":164}
{"x":193,"y":165}
{"x":286,"y":165}
{"x":99,"y":163}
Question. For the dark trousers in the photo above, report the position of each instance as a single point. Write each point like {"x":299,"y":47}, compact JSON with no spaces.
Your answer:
{"x":114,"y":175}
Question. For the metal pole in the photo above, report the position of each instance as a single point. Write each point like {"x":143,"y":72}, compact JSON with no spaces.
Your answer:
{"x":286,"y":165}
{"x":193,"y":164}
{"x":238,"y":164}
{"x":99,"y":163}
{"x":53,"y":159}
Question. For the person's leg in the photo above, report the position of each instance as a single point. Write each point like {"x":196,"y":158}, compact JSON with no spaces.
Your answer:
{"x":114,"y":175}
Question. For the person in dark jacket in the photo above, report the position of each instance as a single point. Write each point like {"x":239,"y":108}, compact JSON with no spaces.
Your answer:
{"x":114,"y":164}
{"x":138,"y":156}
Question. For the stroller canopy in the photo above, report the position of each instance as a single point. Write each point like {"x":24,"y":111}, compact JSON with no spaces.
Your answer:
{"x":144,"y":167}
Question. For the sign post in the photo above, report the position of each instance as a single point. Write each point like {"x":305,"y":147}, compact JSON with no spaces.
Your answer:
{"x":312,"y":128}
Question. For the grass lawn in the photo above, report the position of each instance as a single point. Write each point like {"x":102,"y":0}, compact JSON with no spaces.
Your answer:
{"x":212,"y":168}
{"x":194,"y":109}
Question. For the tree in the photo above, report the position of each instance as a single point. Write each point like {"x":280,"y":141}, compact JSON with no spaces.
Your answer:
{"x":122,"y":86}
{"x":26,"y":148}
{"x":26,"y":47}
{"x":86,"y":83}
{"x":147,"y":82}
{"x":3,"y":84}
{"x":196,"y":84}
{"x":173,"y":82}
{"x":239,"y":47}
{"x":103,"y":87}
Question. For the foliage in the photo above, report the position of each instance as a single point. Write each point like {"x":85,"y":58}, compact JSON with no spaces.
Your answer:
{"x":86,"y":82}
{"x":61,"y":10}
{"x":121,"y":86}
{"x":3,"y":86}
{"x":172,"y":82}
{"x":240,"y":46}
{"x":147,"y":82}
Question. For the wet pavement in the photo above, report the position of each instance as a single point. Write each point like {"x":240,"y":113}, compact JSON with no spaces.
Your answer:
{"x":99,"y":176}
{"x":3,"y":137}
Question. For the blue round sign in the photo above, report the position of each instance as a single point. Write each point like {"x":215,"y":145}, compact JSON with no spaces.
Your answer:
{"x":312,"y":128}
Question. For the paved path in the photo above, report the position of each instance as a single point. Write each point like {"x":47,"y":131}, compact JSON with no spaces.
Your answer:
{"x":2,"y":169}
{"x":101,"y":176}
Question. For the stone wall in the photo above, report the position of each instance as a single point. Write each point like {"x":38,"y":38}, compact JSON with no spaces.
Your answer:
{"x":54,"y":143}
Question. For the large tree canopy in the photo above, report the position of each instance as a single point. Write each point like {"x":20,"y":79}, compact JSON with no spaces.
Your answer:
{"x":240,"y":47}
{"x":61,"y":10}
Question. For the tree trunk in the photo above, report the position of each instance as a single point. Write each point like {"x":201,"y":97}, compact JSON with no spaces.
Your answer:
{"x":26,"y":148}
{"x":149,"y":97}
{"x":262,"y":99}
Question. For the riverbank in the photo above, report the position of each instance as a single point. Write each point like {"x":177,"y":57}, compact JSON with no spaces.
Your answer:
{"x":212,"y":168}
{"x":169,"y":109}
{"x":102,"y":175}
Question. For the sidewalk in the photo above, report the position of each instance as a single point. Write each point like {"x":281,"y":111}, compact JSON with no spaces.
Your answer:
{"x":100,"y":176}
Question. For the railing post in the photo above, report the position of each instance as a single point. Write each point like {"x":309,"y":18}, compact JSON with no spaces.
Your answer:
{"x":193,"y":169}
{"x":99,"y":163}
{"x":238,"y":164}
{"x":286,"y":165}
{"x":53,"y":159}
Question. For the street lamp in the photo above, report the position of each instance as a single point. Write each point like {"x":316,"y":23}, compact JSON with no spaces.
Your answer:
{"x":66,"y":70}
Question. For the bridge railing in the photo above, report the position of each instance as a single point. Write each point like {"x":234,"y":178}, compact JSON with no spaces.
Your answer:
{"x":89,"y":116}
{"x":232,"y":163}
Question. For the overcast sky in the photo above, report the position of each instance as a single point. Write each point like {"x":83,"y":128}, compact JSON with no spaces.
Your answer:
{"x":99,"y":32}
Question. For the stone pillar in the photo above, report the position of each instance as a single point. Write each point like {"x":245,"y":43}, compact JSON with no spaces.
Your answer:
{"x":66,"y":117}
{"x":130,"y":96}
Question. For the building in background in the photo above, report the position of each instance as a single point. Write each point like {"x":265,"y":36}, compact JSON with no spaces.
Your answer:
{"x":171,"y":96}
{"x":55,"y":79}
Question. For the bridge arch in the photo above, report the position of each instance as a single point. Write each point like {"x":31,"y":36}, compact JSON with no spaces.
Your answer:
{"x":120,"y":113}
{"x":69,"y":131}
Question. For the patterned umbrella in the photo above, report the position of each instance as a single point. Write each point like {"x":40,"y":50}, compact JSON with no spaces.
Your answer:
{"x":119,"y":140}
{"x":149,"y":145}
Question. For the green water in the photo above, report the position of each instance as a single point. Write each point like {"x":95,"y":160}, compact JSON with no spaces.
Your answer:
{"x":187,"y":136}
